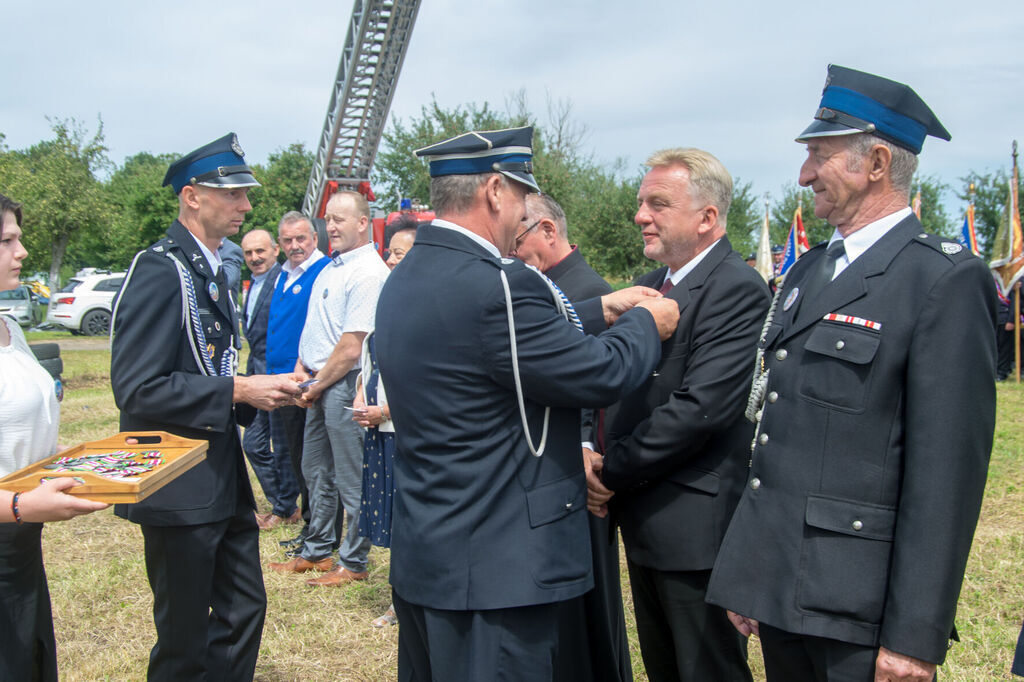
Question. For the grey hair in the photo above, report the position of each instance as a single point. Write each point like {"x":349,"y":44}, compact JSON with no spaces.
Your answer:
{"x":454,"y":194}
{"x":904,"y":161}
{"x":549,"y":208}
{"x":709,"y":180}
{"x":294,"y":217}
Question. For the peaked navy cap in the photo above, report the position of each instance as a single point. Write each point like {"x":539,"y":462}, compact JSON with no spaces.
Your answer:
{"x":220,"y":163}
{"x":509,"y":152}
{"x":858,"y":102}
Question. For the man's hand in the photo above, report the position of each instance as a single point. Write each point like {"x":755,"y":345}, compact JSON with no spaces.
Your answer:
{"x":267,"y":391}
{"x":49,"y":502}
{"x":745,"y":626}
{"x":597,"y":494}
{"x":893,"y":667}
{"x":665,"y":312}
{"x":615,"y":304}
{"x":310,"y":395}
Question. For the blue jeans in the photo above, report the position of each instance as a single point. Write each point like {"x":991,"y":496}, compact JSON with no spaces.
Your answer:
{"x":332,"y":464}
{"x":272,"y":465}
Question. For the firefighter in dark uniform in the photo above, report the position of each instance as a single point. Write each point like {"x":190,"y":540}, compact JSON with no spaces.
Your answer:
{"x":875,"y":410}
{"x":173,"y":362}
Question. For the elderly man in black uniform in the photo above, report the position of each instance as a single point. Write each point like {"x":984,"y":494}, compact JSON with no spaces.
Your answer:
{"x":875,"y":408}
{"x":172,"y":368}
{"x":489,"y":531}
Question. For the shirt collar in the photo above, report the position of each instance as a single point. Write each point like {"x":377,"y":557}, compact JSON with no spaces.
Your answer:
{"x":304,"y":265}
{"x":861,"y":240}
{"x":491,"y":248}
{"x":257,"y":279}
{"x":678,"y":275}
{"x":349,"y":256}
{"x":212,"y":258}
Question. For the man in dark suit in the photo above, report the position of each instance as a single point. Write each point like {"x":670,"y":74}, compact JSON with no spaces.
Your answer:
{"x":875,"y":406}
{"x":598,"y":652}
{"x":675,"y":450}
{"x":489,"y":531}
{"x":272,"y":466}
{"x":172,"y":368}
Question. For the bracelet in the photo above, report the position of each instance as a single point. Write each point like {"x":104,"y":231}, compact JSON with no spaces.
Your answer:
{"x":14,"y":508}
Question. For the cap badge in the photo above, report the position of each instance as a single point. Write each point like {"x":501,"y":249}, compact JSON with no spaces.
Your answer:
{"x":235,"y":147}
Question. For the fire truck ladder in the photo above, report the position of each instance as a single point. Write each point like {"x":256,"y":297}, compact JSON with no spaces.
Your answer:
{"x":378,"y":36}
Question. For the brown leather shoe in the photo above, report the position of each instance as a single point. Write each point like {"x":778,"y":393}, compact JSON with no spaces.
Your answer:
{"x":337,"y":576}
{"x":296,"y":517}
{"x":268,"y":521}
{"x":300,"y":565}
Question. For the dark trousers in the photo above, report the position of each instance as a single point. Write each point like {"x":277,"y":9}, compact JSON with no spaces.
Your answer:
{"x":514,"y":645}
{"x":27,"y":647}
{"x":789,"y":656}
{"x":1004,"y":352}
{"x":272,"y":465}
{"x":287,"y":425}
{"x":208,"y":599}
{"x":592,"y":642}
{"x":682,"y":637}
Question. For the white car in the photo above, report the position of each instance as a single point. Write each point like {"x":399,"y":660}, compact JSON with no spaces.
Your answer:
{"x":83,"y":304}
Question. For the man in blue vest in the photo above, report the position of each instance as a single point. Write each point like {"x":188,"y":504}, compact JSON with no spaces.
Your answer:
{"x":297,"y":239}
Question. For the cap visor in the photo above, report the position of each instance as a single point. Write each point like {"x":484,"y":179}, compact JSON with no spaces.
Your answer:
{"x":232,"y":181}
{"x":825,"y":129}
{"x":525,"y":178}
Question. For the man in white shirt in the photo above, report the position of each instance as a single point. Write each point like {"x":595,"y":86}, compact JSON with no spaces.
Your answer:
{"x":342,"y":307}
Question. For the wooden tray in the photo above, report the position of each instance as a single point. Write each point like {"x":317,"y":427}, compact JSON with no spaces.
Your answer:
{"x":180,"y":455}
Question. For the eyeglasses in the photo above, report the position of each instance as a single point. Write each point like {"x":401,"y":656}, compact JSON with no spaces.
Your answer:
{"x":522,"y":235}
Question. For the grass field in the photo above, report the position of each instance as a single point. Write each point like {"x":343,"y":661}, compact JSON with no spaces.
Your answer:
{"x":102,"y":603}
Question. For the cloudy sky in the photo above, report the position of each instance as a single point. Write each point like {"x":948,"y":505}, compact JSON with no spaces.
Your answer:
{"x":737,"y":78}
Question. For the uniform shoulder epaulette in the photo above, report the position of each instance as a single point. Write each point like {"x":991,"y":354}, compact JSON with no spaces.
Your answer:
{"x":163,"y":246}
{"x":951,"y":249}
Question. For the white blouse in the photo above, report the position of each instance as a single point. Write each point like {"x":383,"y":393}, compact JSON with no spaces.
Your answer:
{"x":29,"y":410}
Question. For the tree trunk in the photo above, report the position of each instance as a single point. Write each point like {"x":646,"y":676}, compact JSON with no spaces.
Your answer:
{"x":60,"y":247}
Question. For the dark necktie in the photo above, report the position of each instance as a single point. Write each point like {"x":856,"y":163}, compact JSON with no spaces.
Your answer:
{"x":667,"y":286}
{"x":820,"y":279}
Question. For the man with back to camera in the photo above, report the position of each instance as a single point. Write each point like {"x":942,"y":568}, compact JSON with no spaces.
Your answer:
{"x":600,"y":651}
{"x":172,"y":368}
{"x":848,"y":547}
{"x":488,"y":537}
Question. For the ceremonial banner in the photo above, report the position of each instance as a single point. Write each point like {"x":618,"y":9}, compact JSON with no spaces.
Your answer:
{"x":1008,"y":246}
{"x":967,"y":235}
{"x":796,"y":242}
{"x":764,"y":251}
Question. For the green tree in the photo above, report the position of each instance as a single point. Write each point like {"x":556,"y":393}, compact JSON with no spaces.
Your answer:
{"x":782,"y":215}
{"x":933,"y":213}
{"x":283,"y":186}
{"x":142,"y":207}
{"x":745,"y":215}
{"x":599,"y":202}
{"x":56,"y":180}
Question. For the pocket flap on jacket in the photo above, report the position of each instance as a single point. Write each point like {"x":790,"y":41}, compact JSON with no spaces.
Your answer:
{"x":554,"y":500}
{"x":851,"y":518}
{"x":705,"y":481}
{"x":844,"y":341}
